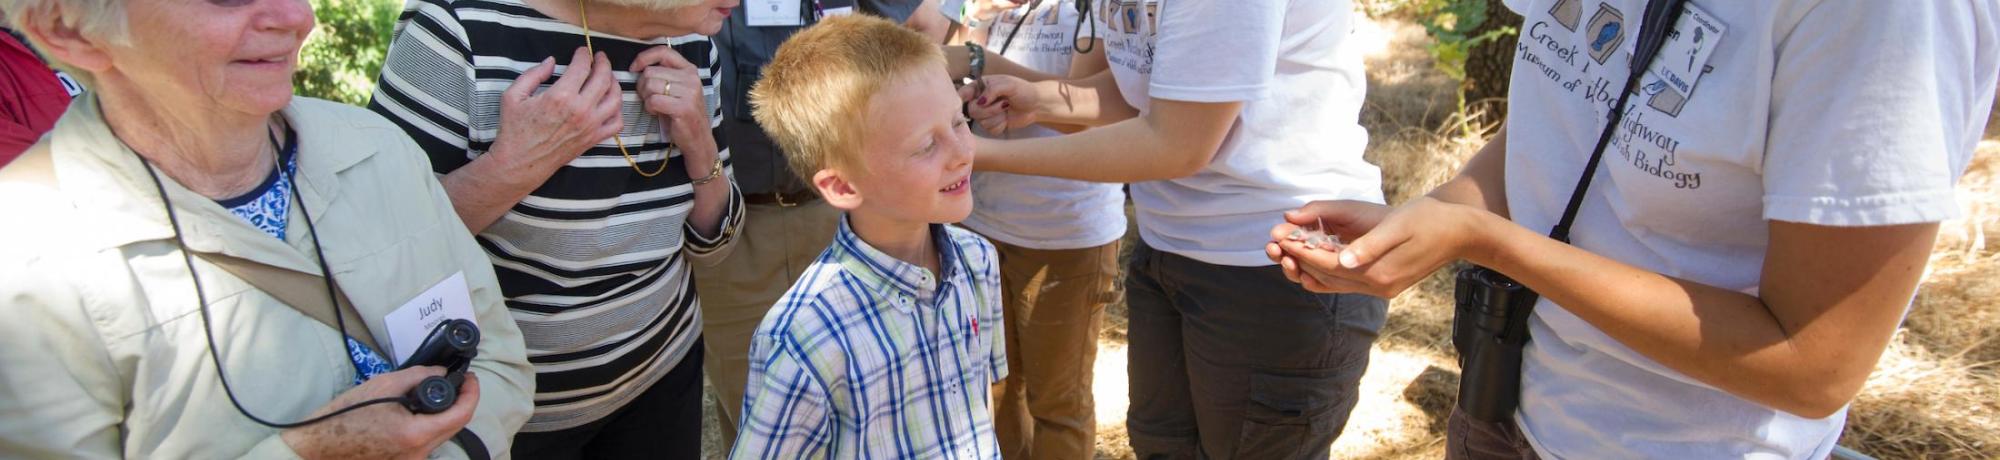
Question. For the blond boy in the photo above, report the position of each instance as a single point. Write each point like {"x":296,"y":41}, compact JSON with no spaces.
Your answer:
{"x":888,"y":344}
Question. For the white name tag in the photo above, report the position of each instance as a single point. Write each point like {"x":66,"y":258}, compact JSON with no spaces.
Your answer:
{"x":412,"y":322}
{"x":1683,"y":59}
{"x":769,"y":13}
{"x":69,"y":84}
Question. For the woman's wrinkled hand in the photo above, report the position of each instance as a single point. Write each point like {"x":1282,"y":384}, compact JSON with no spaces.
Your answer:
{"x":547,"y":129}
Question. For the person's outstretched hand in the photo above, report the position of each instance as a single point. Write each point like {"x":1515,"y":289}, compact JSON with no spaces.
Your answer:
{"x":1388,"y":249}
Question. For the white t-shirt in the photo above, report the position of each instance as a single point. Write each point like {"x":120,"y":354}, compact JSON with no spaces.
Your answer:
{"x":1835,"y":112}
{"x":1043,"y":212}
{"x":1298,"y":139}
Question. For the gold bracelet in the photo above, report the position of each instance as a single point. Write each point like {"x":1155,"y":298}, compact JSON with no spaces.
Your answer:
{"x":713,"y":173}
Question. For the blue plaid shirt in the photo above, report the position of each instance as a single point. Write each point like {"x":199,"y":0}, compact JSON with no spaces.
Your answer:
{"x":871,"y":357}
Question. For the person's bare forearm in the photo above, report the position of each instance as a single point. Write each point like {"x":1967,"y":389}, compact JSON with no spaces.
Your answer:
{"x":710,"y":199}
{"x":1088,"y":97}
{"x":489,"y":186}
{"x":958,"y":64}
{"x":1482,"y":183}
{"x":1089,"y":102}
{"x":927,"y":20}
{"x":1801,"y":347}
{"x":1175,"y":140}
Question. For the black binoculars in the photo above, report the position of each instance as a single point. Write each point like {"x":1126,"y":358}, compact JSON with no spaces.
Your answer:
{"x":1489,"y":329}
{"x":451,"y":345}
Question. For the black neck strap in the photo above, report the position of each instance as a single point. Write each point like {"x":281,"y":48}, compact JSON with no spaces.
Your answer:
{"x":1026,"y":15}
{"x":1659,"y":18}
{"x":201,"y":297}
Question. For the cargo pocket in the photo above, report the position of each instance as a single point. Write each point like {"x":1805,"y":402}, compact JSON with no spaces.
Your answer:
{"x":1293,"y":414}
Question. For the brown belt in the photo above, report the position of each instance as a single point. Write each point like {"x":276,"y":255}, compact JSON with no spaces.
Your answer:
{"x":780,"y":199}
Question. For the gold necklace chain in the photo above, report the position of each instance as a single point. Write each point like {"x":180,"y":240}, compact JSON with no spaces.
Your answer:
{"x":583,"y":15}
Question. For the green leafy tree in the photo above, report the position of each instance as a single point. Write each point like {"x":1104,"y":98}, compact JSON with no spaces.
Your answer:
{"x":1470,"y":42}
{"x":344,"y":54}
{"x":1456,"y":28}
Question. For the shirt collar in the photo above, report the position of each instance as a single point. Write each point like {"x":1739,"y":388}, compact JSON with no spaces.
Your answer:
{"x":105,"y":178}
{"x":884,"y":274}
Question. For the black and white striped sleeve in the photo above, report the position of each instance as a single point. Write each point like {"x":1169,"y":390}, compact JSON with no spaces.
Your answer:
{"x":426,"y":83}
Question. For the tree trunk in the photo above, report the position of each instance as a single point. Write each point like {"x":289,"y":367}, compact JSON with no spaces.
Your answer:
{"x":1489,"y":65}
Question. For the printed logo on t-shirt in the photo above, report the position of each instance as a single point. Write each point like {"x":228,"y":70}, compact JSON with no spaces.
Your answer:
{"x":1567,"y":13}
{"x":1039,"y":32}
{"x":1129,"y":16}
{"x":1047,"y":16}
{"x":1131,"y":26}
{"x":1607,"y":31}
{"x":1551,"y":44}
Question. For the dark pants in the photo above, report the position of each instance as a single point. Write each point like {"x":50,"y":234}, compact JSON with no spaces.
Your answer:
{"x":663,"y":422}
{"x":1469,"y":439}
{"x":1237,"y":362}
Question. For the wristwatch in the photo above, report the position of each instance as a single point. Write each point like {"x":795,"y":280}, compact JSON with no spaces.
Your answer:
{"x":975,"y":60}
{"x":975,"y":68}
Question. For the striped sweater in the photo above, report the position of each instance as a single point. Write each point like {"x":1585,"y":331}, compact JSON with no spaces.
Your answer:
{"x":592,"y":262}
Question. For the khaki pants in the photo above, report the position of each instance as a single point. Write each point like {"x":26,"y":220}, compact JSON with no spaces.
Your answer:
{"x":776,"y":246}
{"x":1054,"y":300}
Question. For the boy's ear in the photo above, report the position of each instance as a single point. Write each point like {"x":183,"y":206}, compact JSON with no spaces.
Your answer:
{"x":836,"y":190}
{"x":65,"y":43}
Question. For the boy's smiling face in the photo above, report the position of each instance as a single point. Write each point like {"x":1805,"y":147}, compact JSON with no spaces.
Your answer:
{"x":916,"y":154}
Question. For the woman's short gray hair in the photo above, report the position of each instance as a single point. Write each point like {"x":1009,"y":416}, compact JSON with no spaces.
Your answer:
{"x":104,"y":19}
{"x":99,"y":19}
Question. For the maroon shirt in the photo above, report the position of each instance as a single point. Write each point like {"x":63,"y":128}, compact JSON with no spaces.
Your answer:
{"x":32,"y":97}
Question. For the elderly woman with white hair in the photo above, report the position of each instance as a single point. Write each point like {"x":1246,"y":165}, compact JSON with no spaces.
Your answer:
{"x":199,"y":265}
{"x":576,"y":139}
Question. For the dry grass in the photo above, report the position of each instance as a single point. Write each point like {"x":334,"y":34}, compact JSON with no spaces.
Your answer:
{"x":1955,"y":315}
{"x":1920,"y":404}
{"x":1936,"y":392}
{"x":1934,"y":395}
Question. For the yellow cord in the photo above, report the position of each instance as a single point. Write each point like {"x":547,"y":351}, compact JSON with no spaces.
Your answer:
{"x":584,"y":17}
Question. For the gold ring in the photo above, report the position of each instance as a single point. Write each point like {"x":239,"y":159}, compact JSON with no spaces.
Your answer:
{"x":668,"y":90}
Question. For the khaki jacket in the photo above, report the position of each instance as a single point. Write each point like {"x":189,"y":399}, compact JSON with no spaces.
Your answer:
{"x":102,"y":352}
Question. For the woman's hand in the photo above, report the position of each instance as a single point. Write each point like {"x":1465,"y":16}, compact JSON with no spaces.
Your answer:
{"x":1388,"y":250}
{"x":1345,"y":219}
{"x":671,"y":87}
{"x":384,"y":430}
{"x":545,"y":131}
{"x":1005,"y":103}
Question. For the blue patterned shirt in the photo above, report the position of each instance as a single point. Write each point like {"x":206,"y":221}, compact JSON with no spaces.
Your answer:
{"x":269,"y":206}
{"x":367,"y":362}
{"x":871,"y":357}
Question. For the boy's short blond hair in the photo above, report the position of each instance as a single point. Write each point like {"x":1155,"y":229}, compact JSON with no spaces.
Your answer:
{"x":814,"y":96}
